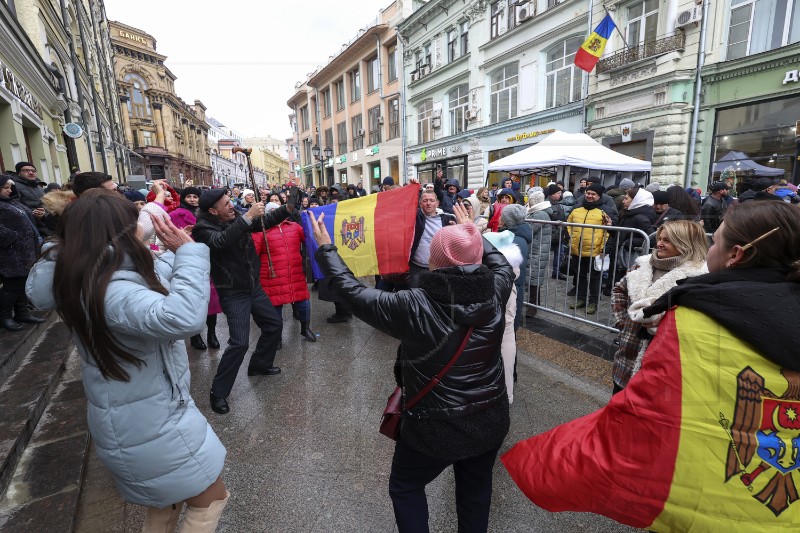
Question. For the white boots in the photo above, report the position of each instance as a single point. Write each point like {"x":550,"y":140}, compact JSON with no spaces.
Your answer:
{"x":204,"y":519}
{"x":195,"y":520}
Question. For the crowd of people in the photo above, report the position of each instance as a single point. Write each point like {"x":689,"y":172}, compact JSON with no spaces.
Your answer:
{"x":132,"y":274}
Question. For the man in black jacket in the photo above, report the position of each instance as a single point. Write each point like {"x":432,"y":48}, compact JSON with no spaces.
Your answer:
{"x":235,"y":268}
{"x":28,"y":185}
{"x":464,"y":419}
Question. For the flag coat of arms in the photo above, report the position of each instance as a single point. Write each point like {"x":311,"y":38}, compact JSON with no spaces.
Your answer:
{"x":591,"y":50}
{"x":706,"y":437}
{"x":373,"y":233}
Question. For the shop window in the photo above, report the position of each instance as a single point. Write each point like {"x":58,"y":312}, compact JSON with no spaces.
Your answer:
{"x":424,"y":114}
{"x":357,"y":127}
{"x":355,"y":85}
{"x":394,"y":118}
{"x":138,"y":101}
{"x":503,"y":97}
{"x":340,"y":99}
{"x":458,"y":100}
{"x":341,"y":136}
{"x":373,"y":119}
{"x":392,"y":63}
{"x":373,"y":75}
{"x":642,"y":22}
{"x":760,"y":25}
{"x":564,"y":79}
{"x":756,"y":140}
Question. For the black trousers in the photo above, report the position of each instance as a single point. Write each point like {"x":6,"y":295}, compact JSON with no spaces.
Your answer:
{"x":238,"y":306}
{"x":412,"y":471}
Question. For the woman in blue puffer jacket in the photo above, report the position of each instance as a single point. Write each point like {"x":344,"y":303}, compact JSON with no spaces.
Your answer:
{"x":128,"y":315}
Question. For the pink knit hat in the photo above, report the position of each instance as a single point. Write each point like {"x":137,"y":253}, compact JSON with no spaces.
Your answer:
{"x":456,"y":246}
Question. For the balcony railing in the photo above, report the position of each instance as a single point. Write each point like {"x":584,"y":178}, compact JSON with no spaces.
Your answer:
{"x":646,"y":50}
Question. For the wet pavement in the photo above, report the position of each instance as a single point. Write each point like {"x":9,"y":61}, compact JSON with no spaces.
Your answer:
{"x":304,"y":452}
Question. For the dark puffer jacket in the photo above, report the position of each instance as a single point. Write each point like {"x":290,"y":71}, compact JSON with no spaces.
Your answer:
{"x":19,"y":238}
{"x":29,"y":191}
{"x":234,"y":262}
{"x":467,"y":413}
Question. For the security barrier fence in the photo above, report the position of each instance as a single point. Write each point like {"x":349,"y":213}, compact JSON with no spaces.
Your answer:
{"x":584,"y":263}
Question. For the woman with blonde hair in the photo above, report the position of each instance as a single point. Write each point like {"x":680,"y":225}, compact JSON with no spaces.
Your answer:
{"x":681,"y":248}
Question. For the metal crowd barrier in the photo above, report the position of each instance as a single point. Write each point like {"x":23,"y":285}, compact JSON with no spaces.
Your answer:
{"x":554,"y":293}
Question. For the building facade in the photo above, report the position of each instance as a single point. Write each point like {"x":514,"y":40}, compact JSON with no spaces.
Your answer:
{"x":351,"y":109}
{"x":641,"y":95}
{"x":168,"y":136}
{"x":750,"y":98}
{"x":487,"y":79}
{"x":58,"y":106}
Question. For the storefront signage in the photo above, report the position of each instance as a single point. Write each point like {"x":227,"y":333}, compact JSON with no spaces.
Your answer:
{"x":341,"y":159}
{"x":134,"y":37}
{"x":371,"y":151}
{"x":433,"y":153}
{"x":355,"y":157}
{"x":528,"y":135}
{"x":791,"y":76}
{"x":376,"y":173}
{"x":20,"y":91}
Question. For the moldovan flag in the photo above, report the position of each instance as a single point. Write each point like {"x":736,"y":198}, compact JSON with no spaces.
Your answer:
{"x":592,"y":49}
{"x":373,"y":233}
{"x":704,"y":438}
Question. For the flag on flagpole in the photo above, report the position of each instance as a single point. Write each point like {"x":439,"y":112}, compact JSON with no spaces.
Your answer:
{"x":704,"y":438}
{"x":373,"y":233}
{"x":592,"y":49}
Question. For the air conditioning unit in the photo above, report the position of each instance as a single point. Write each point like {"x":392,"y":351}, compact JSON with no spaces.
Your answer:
{"x":415,"y":75}
{"x":689,"y":16}
{"x":472,"y":114}
{"x":424,"y":70}
{"x":523,"y":11}
{"x":380,"y":120}
{"x":360,"y":133}
{"x":436,"y":123}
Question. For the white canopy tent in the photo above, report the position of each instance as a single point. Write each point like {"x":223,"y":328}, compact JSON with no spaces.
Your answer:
{"x":562,"y":149}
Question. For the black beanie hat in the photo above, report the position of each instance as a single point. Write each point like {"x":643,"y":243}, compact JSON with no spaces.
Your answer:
{"x":210,"y":197}
{"x":551,"y":190}
{"x":22,"y":164}
{"x":660,"y":197}
{"x":191,"y":190}
{"x":88,"y":180}
{"x":596,"y":187}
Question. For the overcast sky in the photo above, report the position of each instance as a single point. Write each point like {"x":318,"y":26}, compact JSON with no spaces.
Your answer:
{"x":243,"y":57}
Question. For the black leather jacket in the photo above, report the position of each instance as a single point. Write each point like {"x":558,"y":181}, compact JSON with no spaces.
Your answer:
{"x":467,"y":412}
{"x":235,"y":265}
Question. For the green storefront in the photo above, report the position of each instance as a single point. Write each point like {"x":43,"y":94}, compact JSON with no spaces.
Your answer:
{"x":749,"y":118}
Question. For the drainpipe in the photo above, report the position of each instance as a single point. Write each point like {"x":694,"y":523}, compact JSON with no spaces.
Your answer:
{"x":701,"y":59}
{"x":403,"y":143}
{"x":74,"y":60}
{"x":322,"y":177}
{"x":79,"y":8}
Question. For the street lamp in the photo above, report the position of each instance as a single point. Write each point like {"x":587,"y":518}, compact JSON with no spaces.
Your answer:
{"x":327,"y":153}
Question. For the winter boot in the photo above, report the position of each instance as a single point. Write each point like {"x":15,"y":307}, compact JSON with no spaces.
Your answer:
{"x":197,"y":343}
{"x":22,"y":311}
{"x":6,"y":311}
{"x":204,"y":519}
{"x":162,"y":520}
{"x":341,"y":314}
{"x":305,"y":331}
{"x":211,"y":323}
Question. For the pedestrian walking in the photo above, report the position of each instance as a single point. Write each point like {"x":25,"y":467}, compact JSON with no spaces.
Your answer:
{"x":129,"y":314}
{"x":464,"y":419}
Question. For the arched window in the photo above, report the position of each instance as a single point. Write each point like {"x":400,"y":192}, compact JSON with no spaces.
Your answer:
{"x":458,"y":100}
{"x":563,"y":77}
{"x":504,"y":88}
{"x":138,"y":102}
{"x":424,"y":113}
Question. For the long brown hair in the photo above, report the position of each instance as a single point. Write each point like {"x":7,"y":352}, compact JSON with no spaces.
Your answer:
{"x":97,"y":233}
{"x":746,"y":222}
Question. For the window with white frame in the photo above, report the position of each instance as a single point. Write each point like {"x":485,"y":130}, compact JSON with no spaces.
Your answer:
{"x":642,"y":22}
{"x":374,"y":122}
{"x":497,"y":19}
{"x":760,"y":25}
{"x":341,"y":137}
{"x":138,"y":101}
{"x":464,"y":38}
{"x":452,"y":45}
{"x":394,"y":118}
{"x":424,"y":126}
{"x":355,"y":85}
{"x":458,"y":102}
{"x":357,"y":126}
{"x":503,"y":92}
{"x":564,"y":79}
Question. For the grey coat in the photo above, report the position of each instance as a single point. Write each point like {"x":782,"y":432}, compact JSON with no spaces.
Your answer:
{"x":148,"y":432}
{"x":540,"y":246}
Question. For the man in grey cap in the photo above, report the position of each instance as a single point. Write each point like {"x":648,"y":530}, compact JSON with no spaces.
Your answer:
{"x":714,"y":206}
{"x":235,"y":268}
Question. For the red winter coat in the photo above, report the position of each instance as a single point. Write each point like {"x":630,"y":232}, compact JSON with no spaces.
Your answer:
{"x":289,"y":284}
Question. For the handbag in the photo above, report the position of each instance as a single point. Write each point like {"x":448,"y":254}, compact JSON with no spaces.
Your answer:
{"x":601,"y":263}
{"x":390,"y":422}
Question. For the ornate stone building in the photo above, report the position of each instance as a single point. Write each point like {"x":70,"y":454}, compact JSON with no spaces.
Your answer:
{"x":169,"y":135}
{"x":56,"y":70}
